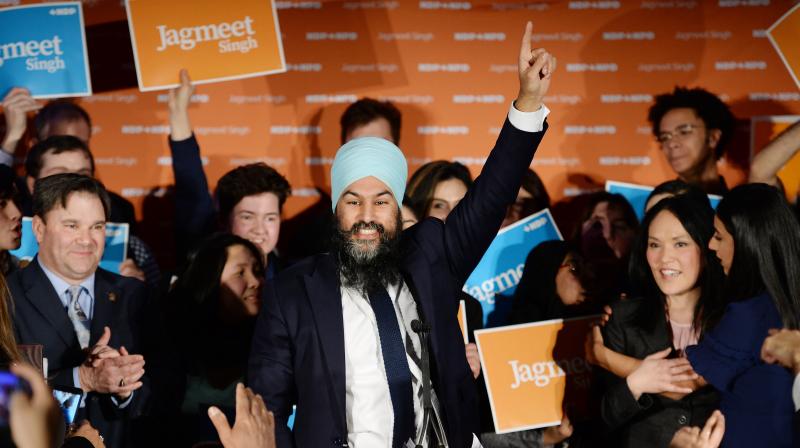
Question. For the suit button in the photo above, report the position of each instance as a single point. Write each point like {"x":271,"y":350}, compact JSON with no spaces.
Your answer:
{"x":338,"y":442}
{"x":682,"y":419}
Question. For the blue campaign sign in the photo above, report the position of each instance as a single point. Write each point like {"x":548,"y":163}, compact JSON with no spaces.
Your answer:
{"x":115,"y":252}
{"x":43,"y":48}
{"x":494,"y":280}
{"x":637,"y":195}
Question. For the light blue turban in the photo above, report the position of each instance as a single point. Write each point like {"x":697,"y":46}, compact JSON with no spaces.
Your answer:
{"x":369,"y":156}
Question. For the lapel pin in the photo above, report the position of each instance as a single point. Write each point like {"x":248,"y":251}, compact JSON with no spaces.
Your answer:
{"x":112,"y":297}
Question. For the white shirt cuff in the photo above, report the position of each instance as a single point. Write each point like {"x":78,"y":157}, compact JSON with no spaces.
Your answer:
{"x":796,"y":393}
{"x":124,"y":403}
{"x":6,"y":158}
{"x":528,"y":121}
{"x":475,"y":442}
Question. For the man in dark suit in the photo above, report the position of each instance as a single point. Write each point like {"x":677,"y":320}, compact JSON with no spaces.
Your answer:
{"x":77,"y":311}
{"x":336,"y":335}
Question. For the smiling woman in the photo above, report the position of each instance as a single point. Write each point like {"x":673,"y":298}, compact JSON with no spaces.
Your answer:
{"x":211,"y":310}
{"x":680,"y":280}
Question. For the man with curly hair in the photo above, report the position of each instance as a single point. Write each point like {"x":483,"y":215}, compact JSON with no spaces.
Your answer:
{"x":693,"y":127}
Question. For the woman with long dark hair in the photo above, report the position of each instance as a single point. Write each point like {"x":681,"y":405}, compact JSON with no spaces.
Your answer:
{"x":757,"y":240}
{"x":10,"y":219}
{"x":211,"y":312}
{"x":436,"y":188}
{"x":9,"y":352}
{"x":681,"y":301}
{"x":550,"y":285}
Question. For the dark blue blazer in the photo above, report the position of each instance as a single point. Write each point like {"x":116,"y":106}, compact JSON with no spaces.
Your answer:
{"x":194,"y":207}
{"x":40,"y":318}
{"x":298,"y":353}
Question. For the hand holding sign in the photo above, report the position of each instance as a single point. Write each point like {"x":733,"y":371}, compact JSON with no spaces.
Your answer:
{"x":536,"y":68}
{"x":180,"y":127}
{"x":557,"y":434}
{"x":16,"y":106}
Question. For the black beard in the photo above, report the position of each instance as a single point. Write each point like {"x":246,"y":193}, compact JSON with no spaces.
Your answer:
{"x":368,"y":269}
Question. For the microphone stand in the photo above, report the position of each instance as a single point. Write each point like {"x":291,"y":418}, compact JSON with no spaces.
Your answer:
{"x":429,"y":415}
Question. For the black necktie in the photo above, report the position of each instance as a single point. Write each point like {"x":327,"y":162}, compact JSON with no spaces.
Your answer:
{"x":396,"y":365}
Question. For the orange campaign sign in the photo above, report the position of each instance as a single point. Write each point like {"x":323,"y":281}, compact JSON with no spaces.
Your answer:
{"x":535,"y":371}
{"x":765,"y":128}
{"x":215,"y":41}
{"x":785,"y":36}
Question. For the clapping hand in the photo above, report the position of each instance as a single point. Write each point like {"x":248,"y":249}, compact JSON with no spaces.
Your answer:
{"x":111,"y":371}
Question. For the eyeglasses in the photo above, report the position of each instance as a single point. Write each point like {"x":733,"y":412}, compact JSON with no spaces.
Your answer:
{"x":681,"y":133}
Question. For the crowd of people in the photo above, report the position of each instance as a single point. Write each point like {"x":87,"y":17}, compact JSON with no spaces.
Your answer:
{"x":347,"y":320}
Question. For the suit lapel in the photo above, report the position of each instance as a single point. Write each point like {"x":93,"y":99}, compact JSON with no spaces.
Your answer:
{"x":325,"y":299}
{"x":42,"y":296}
{"x":103,"y":307}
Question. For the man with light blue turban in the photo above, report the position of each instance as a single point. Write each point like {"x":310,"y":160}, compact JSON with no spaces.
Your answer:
{"x":340,"y":335}
{"x":369,"y":156}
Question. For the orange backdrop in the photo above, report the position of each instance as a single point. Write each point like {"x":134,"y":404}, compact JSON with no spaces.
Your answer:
{"x":450,"y":67}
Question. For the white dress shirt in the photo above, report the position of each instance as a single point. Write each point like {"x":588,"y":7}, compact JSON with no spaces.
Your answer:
{"x":796,"y":393}
{"x":368,"y":405}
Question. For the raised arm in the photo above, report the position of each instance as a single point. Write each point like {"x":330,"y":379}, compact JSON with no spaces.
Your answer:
{"x":474,"y":222}
{"x":774,"y":156}
{"x":194,"y":208}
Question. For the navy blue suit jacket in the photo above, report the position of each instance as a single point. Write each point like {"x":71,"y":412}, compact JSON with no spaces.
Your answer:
{"x":298,"y":353}
{"x":40,"y":318}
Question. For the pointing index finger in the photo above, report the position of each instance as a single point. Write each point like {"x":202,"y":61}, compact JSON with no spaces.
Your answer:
{"x":525,"y":48}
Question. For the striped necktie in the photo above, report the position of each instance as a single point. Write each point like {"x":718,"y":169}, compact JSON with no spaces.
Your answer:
{"x":80,"y":321}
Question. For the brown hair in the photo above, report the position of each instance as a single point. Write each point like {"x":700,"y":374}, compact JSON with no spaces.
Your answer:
{"x":8,"y":343}
{"x":421,"y":185}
